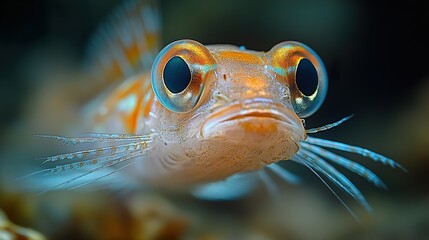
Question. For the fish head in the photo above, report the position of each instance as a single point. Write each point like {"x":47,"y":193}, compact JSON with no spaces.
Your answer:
{"x":222,"y":97}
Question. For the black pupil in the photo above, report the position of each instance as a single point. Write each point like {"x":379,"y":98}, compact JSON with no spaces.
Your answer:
{"x":176,"y":75}
{"x":306,"y":77}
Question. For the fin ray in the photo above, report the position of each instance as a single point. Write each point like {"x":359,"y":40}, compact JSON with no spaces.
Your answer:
{"x":126,"y":44}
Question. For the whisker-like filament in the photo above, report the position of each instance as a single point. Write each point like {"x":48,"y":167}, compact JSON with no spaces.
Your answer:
{"x":303,"y":162}
{"x":331,"y":171}
{"x":327,"y":126}
{"x":350,"y":165}
{"x":324,"y":172}
{"x":354,"y":149}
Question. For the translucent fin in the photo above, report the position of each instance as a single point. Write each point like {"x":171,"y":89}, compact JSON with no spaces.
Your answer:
{"x":358,"y":150}
{"x":350,"y":165}
{"x":102,"y":176}
{"x":74,"y":179}
{"x":98,"y":152}
{"x":80,"y":164}
{"x":90,"y":161}
{"x":234,"y":187}
{"x":126,"y":44}
{"x":40,"y":185}
{"x":337,"y":177}
{"x":96,"y":137}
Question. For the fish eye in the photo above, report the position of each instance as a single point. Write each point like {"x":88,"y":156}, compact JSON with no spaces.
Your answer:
{"x":304,"y":72}
{"x":306,"y":77}
{"x":180,"y":73}
{"x":177,"y":75}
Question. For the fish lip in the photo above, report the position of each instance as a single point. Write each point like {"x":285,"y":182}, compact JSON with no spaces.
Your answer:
{"x":251,"y":109}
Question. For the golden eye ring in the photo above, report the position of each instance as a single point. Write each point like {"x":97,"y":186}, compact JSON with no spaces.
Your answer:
{"x":180,"y":73}
{"x":305,"y":74}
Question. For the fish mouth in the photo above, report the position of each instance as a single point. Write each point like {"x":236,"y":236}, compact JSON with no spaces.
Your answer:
{"x":255,"y":119}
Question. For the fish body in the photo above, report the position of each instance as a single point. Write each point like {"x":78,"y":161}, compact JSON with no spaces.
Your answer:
{"x":199,"y":115}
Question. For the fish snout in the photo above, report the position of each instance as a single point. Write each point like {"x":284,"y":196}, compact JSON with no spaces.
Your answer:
{"x":253,"y":121}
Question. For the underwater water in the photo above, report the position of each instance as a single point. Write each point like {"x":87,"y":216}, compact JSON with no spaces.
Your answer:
{"x":375,"y":55}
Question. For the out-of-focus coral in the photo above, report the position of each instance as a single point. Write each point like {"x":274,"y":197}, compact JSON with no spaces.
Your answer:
{"x":10,"y":231}
{"x":97,"y":215}
{"x":156,"y":218}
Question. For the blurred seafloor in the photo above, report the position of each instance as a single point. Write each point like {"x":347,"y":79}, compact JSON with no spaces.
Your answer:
{"x":376,"y":57}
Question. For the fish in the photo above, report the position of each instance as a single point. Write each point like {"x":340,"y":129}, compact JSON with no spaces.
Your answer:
{"x":214,"y":119}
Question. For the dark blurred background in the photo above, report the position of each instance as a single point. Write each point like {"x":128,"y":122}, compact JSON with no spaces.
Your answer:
{"x":376,"y":54}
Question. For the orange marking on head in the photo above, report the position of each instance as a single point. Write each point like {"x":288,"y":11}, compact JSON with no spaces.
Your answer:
{"x":241,"y":56}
